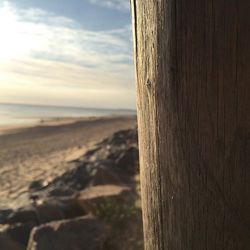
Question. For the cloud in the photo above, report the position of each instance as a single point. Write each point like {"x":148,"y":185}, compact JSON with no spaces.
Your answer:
{"x":44,"y":51}
{"x":50,"y":36}
{"x":57,"y":74}
{"x":122,"y":5}
{"x":60,"y":83}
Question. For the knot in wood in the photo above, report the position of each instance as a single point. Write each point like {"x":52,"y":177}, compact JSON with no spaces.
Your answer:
{"x":148,"y":84}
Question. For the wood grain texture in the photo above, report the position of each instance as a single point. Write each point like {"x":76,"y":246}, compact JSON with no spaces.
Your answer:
{"x":193,"y":95}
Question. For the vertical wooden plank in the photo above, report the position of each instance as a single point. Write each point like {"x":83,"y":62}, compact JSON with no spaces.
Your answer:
{"x":193,"y":95}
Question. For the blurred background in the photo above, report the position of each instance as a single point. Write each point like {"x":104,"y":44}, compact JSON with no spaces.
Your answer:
{"x":66,"y":53}
{"x":68,"y":136}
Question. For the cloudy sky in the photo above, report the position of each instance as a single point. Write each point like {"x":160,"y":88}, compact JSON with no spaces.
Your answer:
{"x":71,"y":53}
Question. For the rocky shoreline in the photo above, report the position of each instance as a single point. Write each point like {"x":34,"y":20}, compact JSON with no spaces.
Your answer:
{"x":91,"y":206}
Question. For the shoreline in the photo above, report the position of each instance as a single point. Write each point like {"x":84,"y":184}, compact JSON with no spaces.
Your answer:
{"x":53,"y":121}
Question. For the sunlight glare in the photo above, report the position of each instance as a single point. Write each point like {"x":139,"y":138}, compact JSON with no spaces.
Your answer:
{"x":15,"y":41}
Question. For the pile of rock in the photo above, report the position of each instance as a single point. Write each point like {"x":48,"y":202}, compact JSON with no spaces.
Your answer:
{"x":67,"y":213}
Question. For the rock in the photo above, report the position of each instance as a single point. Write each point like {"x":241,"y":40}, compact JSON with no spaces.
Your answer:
{"x":113,"y":161}
{"x":85,"y":233}
{"x":6,"y":243}
{"x":128,"y":161}
{"x":61,"y":191}
{"x":22,"y":215}
{"x":68,"y":183}
{"x":15,"y":237}
{"x":4,"y":214}
{"x":72,"y":209}
{"x":93,"y":198}
{"x":113,"y":145}
{"x":88,"y":174}
{"x":122,"y":137}
{"x":48,"y":212}
{"x":21,"y":232}
{"x":53,"y":210}
{"x":103,"y":176}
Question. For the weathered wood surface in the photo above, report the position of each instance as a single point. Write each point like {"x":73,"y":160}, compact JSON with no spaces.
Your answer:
{"x":193,"y":94}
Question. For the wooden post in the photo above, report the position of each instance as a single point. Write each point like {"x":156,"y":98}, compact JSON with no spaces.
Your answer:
{"x":193,"y":93}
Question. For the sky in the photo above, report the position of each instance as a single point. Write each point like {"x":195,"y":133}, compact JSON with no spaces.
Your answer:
{"x":67,"y":53}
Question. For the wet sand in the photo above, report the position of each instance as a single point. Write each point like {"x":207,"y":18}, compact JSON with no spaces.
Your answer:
{"x":45,"y":151}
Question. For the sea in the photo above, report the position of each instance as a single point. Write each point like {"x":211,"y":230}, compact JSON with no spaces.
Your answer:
{"x":24,"y":114}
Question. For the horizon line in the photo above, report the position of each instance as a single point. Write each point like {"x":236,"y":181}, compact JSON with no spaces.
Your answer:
{"x":62,"y":106}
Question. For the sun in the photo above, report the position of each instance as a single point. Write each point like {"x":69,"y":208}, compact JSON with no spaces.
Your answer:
{"x":14,"y":41}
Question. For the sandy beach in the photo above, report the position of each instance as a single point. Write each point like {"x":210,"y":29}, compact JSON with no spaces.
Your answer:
{"x":46,"y":150}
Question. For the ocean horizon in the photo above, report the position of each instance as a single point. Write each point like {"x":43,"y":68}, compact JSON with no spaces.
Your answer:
{"x":22,"y":114}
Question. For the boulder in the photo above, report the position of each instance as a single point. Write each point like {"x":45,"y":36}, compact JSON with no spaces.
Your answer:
{"x":86,"y":233}
{"x":102,"y":175}
{"x":94,"y":199}
{"x":7,"y":243}
{"x":61,"y":191}
{"x":20,"y":232}
{"x":113,"y":161}
{"x":53,"y":210}
{"x":122,"y":137}
{"x":49,"y":211}
{"x":4,"y":214}
{"x":22,"y":215}
{"x":15,"y":237}
{"x":111,"y":147}
{"x":83,"y":176}
{"x":128,"y":160}
{"x":67,"y":184}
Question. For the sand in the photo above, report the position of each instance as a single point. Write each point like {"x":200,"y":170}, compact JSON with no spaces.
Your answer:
{"x":45,"y":151}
